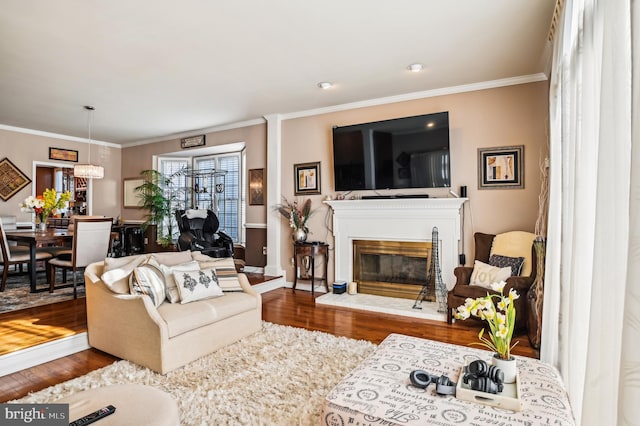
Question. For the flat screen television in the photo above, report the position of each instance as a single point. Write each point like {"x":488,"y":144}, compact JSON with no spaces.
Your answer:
{"x":410,"y":152}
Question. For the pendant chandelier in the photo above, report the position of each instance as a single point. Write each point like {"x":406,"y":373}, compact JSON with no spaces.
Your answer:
{"x":88,"y":171}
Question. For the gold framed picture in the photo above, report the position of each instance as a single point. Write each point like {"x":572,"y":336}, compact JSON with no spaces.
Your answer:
{"x":501,"y":167}
{"x":63,"y":154}
{"x":130,"y":198}
{"x":256,"y":187}
{"x":307,"y":178}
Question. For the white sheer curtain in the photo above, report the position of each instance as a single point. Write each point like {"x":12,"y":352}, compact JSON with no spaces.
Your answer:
{"x":591,"y":299}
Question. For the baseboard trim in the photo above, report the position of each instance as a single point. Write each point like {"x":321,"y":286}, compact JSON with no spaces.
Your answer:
{"x":36,"y":355}
{"x":319,"y":288}
{"x":269,"y":285}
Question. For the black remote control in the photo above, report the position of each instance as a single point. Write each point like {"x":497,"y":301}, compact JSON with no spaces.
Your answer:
{"x":95,"y":416}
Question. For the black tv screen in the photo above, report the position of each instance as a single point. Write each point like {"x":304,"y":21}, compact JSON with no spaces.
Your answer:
{"x":410,"y":152}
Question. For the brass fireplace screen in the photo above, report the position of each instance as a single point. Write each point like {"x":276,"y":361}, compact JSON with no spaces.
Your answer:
{"x":392,"y":268}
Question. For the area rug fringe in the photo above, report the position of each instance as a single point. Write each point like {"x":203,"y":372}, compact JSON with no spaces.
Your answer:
{"x":277,"y":376}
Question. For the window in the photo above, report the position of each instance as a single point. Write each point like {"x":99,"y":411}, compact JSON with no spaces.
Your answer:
{"x":227,"y":199}
{"x":170,"y":167}
{"x":218,"y":180}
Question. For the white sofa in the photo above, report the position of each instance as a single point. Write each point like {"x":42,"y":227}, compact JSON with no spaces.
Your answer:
{"x":171,"y":335}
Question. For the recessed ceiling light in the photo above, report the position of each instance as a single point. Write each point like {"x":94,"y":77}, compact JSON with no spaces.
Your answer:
{"x":415,"y":67}
{"x":324,"y":85}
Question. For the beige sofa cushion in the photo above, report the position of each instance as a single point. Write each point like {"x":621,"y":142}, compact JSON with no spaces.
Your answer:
{"x":148,"y":280}
{"x":117,"y":271}
{"x":183,"y":318}
{"x":173,"y":295}
{"x":225,"y":268}
{"x":197,"y":285}
{"x":172,"y":258}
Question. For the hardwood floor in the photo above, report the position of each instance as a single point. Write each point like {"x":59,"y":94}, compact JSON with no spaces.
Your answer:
{"x":281,"y":306}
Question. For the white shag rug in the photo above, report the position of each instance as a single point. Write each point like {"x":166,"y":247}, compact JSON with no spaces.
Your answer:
{"x":277,"y":376}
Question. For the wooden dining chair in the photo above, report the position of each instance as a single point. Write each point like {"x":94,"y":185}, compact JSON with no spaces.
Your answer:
{"x":14,"y":255}
{"x":91,"y":240}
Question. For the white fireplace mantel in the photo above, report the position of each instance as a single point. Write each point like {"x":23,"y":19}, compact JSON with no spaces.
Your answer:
{"x":397,"y":219}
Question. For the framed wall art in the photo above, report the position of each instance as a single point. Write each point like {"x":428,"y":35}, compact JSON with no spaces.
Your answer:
{"x":307,"y":178}
{"x":256,"y":187}
{"x":12,"y":180}
{"x":63,"y":154}
{"x":192,"y":141}
{"x":130,"y":197}
{"x":501,"y":167}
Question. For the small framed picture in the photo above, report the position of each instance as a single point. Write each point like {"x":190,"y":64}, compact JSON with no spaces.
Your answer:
{"x":256,"y":187}
{"x":63,"y":154}
{"x":307,"y":178}
{"x":501,"y":167}
{"x":192,"y":141}
{"x":130,"y":198}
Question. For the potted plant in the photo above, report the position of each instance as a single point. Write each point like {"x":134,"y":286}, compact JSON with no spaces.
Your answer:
{"x":161,"y":197}
{"x":501,"y":318}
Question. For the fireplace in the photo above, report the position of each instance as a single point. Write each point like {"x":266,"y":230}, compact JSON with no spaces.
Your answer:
{"x":389,"y":220}
{"x":393,"y":268}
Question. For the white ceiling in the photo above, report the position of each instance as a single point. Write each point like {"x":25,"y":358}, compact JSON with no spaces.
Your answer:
{"x":163,"y":67}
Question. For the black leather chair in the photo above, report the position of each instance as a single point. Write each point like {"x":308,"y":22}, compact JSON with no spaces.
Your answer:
{"x":198,"y":233}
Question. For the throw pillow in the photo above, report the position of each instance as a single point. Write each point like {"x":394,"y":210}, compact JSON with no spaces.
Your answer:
{"x":117,"y":271}
{"x":515,"y":244}
{"x":171,"y":288}
{"x":148,"y":280}
{"x":225,"y":270}
{"x":484,"y":275}
{"x":197,"y":285}
{"x":515,"y":263}
{"x":172,"y":258}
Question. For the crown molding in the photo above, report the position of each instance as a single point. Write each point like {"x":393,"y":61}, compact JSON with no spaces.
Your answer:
{"x":493,"y":84}
{"x":219,"y":128}
{"x":57,"y":136}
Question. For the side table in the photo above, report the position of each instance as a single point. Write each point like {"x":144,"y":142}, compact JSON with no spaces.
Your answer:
{"x":304,"y":257}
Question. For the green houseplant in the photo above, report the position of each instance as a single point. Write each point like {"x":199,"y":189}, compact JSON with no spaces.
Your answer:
{"x":160,"y":196}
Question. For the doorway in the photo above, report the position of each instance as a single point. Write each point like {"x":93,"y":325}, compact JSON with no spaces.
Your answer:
{"x":60,"y":177}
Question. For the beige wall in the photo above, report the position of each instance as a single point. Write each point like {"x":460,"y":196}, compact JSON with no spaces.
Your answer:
{"x":514,"y":115}
{"x":138,"y":158}
{"x":23,"y":149}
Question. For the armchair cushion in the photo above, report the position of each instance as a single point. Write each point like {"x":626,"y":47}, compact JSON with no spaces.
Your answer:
{"x":484,"y":275}
{"x":515,"y":244}
{"x":515,"y":263}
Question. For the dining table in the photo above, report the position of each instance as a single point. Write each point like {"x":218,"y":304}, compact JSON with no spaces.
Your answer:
{"x":35,"y":238}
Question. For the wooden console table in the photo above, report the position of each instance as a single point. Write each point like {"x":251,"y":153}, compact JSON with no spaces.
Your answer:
{"x":310,"y":250}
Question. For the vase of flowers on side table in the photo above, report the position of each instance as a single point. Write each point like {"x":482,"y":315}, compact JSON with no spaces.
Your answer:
{"x":297,"y":217}
{"x":501,"y":319}
{"x":45,"y":205}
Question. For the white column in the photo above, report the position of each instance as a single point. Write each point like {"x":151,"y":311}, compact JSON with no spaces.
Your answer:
{"x":274,"y":180}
